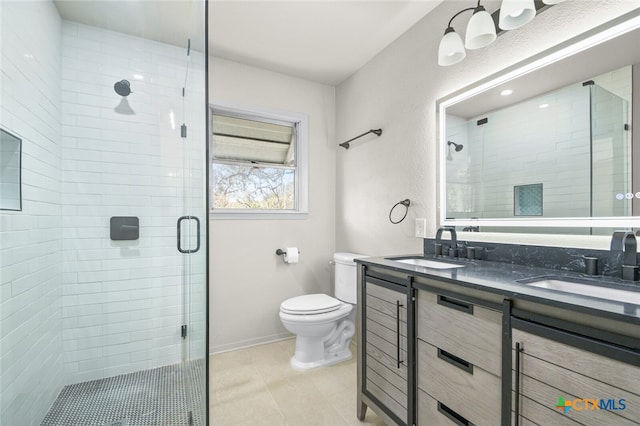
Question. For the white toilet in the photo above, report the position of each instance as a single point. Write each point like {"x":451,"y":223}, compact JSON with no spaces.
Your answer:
{"x":324,"y":325}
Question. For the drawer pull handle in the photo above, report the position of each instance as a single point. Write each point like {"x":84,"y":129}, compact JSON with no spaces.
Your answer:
{"x":452,"y":415}
{"x":398,"y":360}
{"x":455,"y":361}
{"x":458,"y":305}
{"x":516,"y":397}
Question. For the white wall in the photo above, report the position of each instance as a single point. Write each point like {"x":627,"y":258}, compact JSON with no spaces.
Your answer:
{"x":247,"y":280}
{"x":397,"y":90}
{"x":30,"y":240}
{"x":123,"y":300}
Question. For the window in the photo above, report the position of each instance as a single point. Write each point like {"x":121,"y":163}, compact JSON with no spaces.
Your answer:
{"x":258,"y":163}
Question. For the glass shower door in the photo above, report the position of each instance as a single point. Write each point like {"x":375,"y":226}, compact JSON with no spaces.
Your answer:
{"x":192,"y":225}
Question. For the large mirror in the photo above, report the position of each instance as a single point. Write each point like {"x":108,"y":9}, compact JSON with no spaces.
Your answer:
{"x":548,"y":142}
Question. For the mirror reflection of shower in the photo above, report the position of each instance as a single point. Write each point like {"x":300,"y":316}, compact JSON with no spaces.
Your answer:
{"x":123,"y":88}
{"x":456,"y":146}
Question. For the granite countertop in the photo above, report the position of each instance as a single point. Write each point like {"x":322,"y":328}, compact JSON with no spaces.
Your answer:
{"x":503,"y":278}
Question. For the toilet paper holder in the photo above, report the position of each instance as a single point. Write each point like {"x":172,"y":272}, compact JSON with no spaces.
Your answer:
{"x":281,"y":252}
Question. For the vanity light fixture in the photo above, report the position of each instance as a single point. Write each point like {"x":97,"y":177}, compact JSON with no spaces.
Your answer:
{"x":516,"y":13}
{"x":481,"y":32}
{"x":481,"y":28}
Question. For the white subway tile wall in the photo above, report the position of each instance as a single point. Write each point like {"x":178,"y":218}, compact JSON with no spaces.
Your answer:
{"x":122,"y":303}
{"x":31,"y":372}
{"x":74,"y":305}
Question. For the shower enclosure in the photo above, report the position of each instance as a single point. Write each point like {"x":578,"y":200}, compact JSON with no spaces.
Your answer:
{"x":103,"y":264}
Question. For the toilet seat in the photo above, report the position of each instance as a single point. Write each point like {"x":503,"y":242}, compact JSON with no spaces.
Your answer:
{"x":316,"y":319}
{"x":310,"y":304}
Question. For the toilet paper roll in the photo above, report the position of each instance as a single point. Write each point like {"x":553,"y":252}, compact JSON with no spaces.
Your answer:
{"x":291,"y":255}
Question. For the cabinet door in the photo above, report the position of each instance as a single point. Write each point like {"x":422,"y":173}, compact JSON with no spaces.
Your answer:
{"x":385,"y":336}
{"x":557,"y":383}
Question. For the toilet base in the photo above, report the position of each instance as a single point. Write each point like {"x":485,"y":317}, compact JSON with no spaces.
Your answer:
{"x":330,"y":359}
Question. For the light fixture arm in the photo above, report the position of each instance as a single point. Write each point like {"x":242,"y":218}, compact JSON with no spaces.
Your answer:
{"x":462,"y":11}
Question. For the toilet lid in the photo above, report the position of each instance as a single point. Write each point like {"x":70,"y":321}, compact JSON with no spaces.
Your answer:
{"x":310,"y":304}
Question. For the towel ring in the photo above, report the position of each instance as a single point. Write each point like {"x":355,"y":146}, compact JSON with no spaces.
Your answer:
{"x":406,"y":203}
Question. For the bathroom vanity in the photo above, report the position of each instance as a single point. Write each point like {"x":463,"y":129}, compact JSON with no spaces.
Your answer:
{"x":481,"y":343}
{"x":519,"y":334}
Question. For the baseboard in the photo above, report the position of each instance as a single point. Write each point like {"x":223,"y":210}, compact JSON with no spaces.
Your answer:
{"x":243,"y":344}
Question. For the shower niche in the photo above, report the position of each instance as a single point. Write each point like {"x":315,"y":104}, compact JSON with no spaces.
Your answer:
{"x":10,"y":171}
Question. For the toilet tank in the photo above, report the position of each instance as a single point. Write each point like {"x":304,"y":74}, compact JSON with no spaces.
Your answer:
{"x":346,"y":276}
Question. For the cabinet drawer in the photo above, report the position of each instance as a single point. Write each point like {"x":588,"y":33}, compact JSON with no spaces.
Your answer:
{"x":470,"y":331}
{"x":433,"y":413}
{"x":472,"y":392}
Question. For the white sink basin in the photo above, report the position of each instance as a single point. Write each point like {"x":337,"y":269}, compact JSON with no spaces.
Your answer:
{"x":433,"y":264}
{"x":588,"y":290}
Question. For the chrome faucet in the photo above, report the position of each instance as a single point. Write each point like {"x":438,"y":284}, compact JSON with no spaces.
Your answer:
{"x":453,"y":249}
{"x":625,"y":241}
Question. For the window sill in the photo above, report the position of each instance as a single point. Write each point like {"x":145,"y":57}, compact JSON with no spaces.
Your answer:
{"x":256,"y":215}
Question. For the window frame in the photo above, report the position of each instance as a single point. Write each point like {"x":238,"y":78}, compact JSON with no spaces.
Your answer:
{"x":301,"y":169}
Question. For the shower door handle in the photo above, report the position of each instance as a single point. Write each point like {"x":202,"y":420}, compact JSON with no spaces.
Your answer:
{"x":188,"y":250}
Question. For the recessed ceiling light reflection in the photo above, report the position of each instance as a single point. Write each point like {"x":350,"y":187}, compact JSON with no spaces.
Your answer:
{"x":138,"y":76}
{"x":506,"y":92}
{"x":543,"y":106}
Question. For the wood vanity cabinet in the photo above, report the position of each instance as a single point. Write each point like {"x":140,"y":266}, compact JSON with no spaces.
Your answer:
{"x":432,"y":352}
{"x":553,"y":369}
{"x":385,"y":372}
{"x":458,"y":361}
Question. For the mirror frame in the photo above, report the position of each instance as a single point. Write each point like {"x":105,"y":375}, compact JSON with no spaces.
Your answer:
{"x":600,"y":34}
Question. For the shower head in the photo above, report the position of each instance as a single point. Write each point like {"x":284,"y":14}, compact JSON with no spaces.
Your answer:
{"x":457,"y":146}
{"x":122,"y":88}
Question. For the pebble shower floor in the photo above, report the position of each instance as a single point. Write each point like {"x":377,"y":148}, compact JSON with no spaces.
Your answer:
{"x":153,"y":397}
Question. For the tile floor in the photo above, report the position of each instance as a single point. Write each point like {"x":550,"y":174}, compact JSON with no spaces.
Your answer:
{"x":156,"y":397}
{"x":257,"y":387}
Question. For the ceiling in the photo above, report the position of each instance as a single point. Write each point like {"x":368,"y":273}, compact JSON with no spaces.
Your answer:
{"x":319,"y":40}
